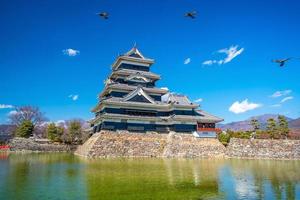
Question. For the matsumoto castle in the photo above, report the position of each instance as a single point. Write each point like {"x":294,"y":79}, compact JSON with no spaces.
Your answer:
{"x":130,"y":101}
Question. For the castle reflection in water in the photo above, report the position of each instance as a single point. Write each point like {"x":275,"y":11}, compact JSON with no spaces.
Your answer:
{"x":64,"y":176}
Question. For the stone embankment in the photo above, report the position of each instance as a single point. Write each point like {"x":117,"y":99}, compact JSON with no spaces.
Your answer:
{"x":180,"y":145}
{"x":263,"y":149}
{"x":30,"y":145}
{"x":187,"y":146}
{"x":124,"y":144}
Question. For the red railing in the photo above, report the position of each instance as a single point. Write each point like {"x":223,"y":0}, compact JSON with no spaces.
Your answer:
{"x":210,"y":129}
{"x":4,"y":147}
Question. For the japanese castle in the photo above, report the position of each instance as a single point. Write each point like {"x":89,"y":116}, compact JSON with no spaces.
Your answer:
{"x":131,"y":101}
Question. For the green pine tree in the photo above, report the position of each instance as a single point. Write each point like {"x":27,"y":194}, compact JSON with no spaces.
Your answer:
{"x":271,"y":127}
{"x":283,"y":126}
{"x":52,"y":132}
{"x":74,"y":131}
{"x":25,"y":129}
{"x":60,"y":133}
{"x":255,"y":124}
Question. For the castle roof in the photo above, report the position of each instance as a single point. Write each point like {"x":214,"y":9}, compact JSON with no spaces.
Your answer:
{"x":139,"y":92}
{"x":177,"y":99}
{"x":132,"y":56}
{"x":166,"y":120}
{"x":153,"y":105}
{"x":207,"y":117}
{"x":125,"y":87}
{"x":128,"y":72}
{"x":134,"y":52}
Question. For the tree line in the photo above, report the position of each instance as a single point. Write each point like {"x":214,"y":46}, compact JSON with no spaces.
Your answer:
{"x":275,"y":129}
{"x":31,"y":122}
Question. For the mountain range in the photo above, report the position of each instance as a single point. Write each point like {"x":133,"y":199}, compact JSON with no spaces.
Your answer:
{"x":262,"y":119}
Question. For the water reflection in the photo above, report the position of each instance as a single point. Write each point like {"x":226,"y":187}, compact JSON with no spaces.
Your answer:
{"x":40,"y":176}
{"x":63,"y":176}
{"x":202,"y":175}
{"x":258,"y":177}
{"x":150,"y":179}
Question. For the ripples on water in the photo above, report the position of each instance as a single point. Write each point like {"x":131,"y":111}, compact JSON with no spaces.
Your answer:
{"x":64,"y":176}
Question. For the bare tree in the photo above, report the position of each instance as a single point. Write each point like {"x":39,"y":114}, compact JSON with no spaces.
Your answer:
{"x":29,"y":113}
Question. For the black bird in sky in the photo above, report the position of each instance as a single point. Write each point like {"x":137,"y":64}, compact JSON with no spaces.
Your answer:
{"x":104,"y":15}
{"x":191,"y":14}
{"x":281,"y":62}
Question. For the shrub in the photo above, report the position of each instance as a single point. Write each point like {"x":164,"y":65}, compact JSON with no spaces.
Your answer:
{"x":260,"y":134}
{"x":224,"y":138}
{"x":241,"y":134}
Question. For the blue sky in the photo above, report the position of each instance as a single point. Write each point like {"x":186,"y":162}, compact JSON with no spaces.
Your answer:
{"x":36,"y":71}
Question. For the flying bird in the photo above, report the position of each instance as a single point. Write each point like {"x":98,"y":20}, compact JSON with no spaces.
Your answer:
{"x":104,"y":15}
{"x":281,"y":62}
{"x":191,"y":14}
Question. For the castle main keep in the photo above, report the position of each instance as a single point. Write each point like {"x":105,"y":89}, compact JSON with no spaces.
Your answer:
{"x":131,"y":101}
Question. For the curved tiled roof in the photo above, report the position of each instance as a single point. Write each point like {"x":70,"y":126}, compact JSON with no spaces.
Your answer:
{"x":209,"y":117}
{"x":177,"y":99}
{"x":128,"y":72}
{"x":133,"y":55}
{"x":127,"y":87}
{"x":167,"y":119}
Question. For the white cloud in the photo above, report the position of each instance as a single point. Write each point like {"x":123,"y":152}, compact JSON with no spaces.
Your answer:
{"x":286,"y":99}
{"x":281,"y":93}
{"x":71,"y":52}
{"x":4,"y":106}
{"x":187,"y":61}
{"x":13,"y":112}
{"x":74,"y":97}
{"x":198,"y":100}
{"x":164,"y":88}
{"x":243,"y":106}
{"x":230,"y":52}
{"x":209,"y":62}
{"x":276,"y":105}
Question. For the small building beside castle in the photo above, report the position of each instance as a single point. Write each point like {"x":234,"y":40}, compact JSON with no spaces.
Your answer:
{"x":131,"y":101}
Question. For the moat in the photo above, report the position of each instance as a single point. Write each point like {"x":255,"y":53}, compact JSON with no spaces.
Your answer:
{"x":65,"y":176}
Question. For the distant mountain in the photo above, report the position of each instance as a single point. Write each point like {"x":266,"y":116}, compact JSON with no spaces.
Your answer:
{"x":6,"y":131}
{"x":246,"y":125}
{"x":294,"y":124}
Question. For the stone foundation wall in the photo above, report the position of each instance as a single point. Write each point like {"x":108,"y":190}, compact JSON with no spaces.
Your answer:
{"x":263,"y":149}
{"x":188,"y":146}
{"x":124,"y":144}
{"x":26,"y":144}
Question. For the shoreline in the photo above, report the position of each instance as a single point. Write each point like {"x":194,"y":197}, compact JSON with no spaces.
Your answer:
{"x":129,"y":145}
{"x":140,"y":157}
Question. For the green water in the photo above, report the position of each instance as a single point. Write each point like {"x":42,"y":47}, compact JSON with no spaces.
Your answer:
{"x":64,"y":176}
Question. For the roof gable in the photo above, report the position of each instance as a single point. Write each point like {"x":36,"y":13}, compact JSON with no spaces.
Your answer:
{"x":134,"y":52}
{"x":138,"y":78}
{"x":177,"y":99}
{"x":139,"y":95}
